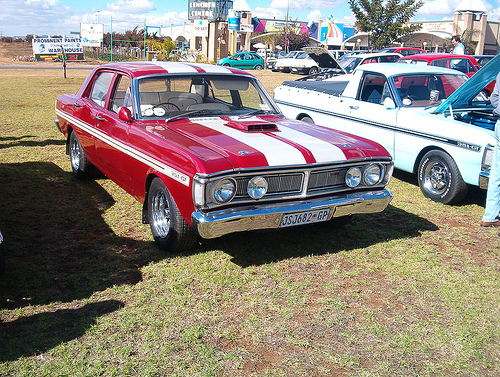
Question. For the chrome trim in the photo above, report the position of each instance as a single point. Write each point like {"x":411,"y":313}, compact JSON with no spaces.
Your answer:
{"x":268,"y":216}
{"x":57,"y":125}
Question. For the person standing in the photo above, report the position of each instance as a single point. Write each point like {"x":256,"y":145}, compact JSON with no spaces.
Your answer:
{"x":491,"y":215}
{"x":459,"y":47}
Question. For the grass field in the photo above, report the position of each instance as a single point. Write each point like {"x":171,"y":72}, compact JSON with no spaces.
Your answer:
{"x":412,"y":291}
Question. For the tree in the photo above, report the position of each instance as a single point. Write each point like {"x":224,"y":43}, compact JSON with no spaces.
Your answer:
{"x":296,"y":40}
{"x":386,"y":21}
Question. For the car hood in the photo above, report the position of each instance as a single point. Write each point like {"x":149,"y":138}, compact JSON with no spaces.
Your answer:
{"x":323,"y":58}
{"x":271,"y":141}
{"x":463,"y":96}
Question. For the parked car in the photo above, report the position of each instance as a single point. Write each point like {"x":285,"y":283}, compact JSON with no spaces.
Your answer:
{"x":207,"y":152}
{"x":483,"y":59}
{"x":271,"y":60}
{"x":303,"y":64}
{"x":330,"y":66}
{"x":463,"y":63}
{"x":434,"y":121}
{"x":243,"y":60}
{"x":405,"y":51}
{"x":283,"y":64}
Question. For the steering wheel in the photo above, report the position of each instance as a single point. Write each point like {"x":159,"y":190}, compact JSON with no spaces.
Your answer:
{"x":166,"y":105}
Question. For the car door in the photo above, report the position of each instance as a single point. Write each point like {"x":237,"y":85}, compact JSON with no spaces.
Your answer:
{"x":372,"y":113}
{"x":112,"y":140}
{"x":239,"y":61}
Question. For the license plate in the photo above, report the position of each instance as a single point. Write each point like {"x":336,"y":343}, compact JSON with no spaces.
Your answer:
{"x":309,"y":217}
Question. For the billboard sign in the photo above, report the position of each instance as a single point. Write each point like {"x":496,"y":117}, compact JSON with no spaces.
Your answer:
{"x":200,"y":28}
{"x":51,"y":48}
{"x":92,"y":34}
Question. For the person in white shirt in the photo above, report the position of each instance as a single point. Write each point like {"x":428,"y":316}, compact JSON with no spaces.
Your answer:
{"x":459,"y":47}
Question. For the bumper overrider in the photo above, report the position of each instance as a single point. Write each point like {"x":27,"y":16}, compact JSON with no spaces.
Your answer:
{"x":269,"y":216}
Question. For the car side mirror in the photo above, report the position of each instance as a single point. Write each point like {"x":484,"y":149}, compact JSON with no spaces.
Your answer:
{"x":389,"y":103}
{"x":125,"y":114}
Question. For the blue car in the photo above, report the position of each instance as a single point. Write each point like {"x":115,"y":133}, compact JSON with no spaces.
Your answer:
{"x":243,"y":60}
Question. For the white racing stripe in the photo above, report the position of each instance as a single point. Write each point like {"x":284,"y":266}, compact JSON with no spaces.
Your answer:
{"x":321,"y":150}
{"x":277,"y":152}
{"x":127,"y":149}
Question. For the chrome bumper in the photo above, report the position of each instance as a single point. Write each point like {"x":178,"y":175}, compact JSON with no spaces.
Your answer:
{"x":268,"y":216}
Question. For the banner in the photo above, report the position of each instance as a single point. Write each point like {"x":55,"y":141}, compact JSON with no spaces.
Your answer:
{"x":200,"y":28}
{"x":51,"y":48}
{"x":92,"y":34}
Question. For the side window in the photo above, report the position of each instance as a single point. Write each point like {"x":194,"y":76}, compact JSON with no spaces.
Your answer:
{"x":100,"y":88}
{"x":122,"y":94}
{"x":372,"y":88}
{"x":462,"y":65}
{"x":440,"y":63}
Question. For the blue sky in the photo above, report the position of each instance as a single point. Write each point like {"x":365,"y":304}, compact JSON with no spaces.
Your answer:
{"x":22,"y":17}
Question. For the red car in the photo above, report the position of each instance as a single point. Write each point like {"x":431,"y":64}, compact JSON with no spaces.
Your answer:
{"x":405,"y":51}
{"x":463,"y":63}
{"x":207,"y":152}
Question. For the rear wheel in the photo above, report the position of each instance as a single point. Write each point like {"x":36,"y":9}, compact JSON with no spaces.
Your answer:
{"x":439,"y":178}
{"x":80,"y":166}
{"x":170,"y":231}
{"x":307,"y":119}
{"x":259,"y":67}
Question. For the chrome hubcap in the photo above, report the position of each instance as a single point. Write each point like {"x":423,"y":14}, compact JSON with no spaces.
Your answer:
{"x":75,"y":152}
{"x":161,"y":214}
{"x":436,"y":177}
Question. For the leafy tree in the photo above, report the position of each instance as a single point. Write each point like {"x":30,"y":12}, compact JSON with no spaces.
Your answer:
{"x":386,"y":21}
{"x":162,"y":46}
{"x":296,"y":40}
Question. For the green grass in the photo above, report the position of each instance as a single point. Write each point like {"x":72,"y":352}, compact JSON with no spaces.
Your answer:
{"x":412,"y":291}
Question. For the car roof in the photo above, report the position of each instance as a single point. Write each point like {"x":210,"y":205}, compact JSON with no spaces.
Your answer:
{"x":436,"y":55}
{"x":375,"y":54}
{"x":391,"y":69}
{"x":139,"y":69}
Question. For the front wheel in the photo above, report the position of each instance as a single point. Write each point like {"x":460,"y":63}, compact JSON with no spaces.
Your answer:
{"x":170,"y":231}
{"x":439,"y":178}
{"x":313,"y":70}
{"x":259,"y":67}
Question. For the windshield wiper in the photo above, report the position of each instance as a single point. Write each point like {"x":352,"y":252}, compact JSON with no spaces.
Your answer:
{"x":254,"y":112}
{"x":187,"y":114}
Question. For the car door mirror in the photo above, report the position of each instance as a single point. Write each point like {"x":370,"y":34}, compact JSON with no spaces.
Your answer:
{"x":389,"y":103}
{"x":125,"y":114}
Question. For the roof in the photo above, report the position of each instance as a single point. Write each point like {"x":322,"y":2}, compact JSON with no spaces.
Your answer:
{"x":137,"y":69}
{"x":391,"y":69}
{"x":475,"y":6}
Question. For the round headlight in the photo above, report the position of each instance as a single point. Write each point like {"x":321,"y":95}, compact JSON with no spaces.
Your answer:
{"x":224,"y":190}
{"x":353,"y":177}
{"x":257,"y":187}
{"x":373,"y":174}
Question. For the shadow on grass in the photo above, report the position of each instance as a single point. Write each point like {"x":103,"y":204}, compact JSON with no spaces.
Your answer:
{"x":474,"y":196}
{"x":38,"y":333}
{"x":58,"y":247}
{"x":358,"y":231}
{"x":22,"y":142}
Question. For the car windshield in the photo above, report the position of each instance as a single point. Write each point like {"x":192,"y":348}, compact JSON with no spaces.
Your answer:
{"x":349,"y":63}
{"x":165,"y":97}
{"x":423,"y":90}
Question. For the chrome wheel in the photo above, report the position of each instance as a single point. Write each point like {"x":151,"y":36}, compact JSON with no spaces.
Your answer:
{"x":75,"y":153}
{"x":436,"y":178}
{"x":160,"y":213}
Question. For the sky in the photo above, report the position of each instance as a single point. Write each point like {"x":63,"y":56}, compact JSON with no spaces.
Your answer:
{"x":63,"y":17}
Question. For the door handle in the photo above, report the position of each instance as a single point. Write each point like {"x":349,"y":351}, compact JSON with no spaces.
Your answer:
{"x":76,"y":104}
{"x":353,"y":107}
{"x":99,"y":118}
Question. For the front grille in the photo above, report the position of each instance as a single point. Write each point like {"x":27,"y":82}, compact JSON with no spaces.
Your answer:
{"x":278,"y":183}
{"x":326,"y":179}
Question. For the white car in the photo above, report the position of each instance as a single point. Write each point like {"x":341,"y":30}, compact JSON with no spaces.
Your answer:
{"x":283,"y":64}
{"x":430,"y":123}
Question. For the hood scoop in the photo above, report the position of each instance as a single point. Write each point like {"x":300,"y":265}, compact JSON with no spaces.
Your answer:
{"x":253,"y":126}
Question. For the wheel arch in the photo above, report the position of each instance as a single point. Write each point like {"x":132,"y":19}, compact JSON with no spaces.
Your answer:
{"x":424,"y":151}
{"x":301,"y":116}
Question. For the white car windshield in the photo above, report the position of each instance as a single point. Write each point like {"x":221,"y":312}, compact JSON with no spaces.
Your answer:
{"x":422,"y":90}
